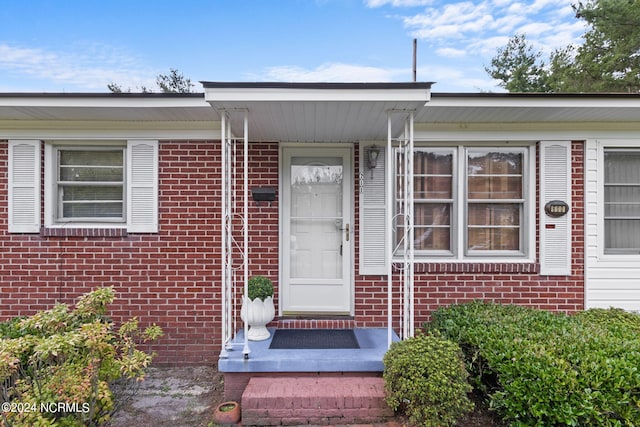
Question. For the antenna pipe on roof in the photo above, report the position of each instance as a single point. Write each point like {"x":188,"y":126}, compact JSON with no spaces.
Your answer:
{"x":415,"y":56}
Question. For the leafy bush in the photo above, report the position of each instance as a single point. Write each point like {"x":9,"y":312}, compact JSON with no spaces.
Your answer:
{"x":260,"y":287}
{"x":545,"y":369}
{"x":425,"y":378}
{"x":56,"y":367}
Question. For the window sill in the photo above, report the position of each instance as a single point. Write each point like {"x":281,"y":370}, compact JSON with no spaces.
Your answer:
{"x":83,"y":232}
{"x":476,"y":267}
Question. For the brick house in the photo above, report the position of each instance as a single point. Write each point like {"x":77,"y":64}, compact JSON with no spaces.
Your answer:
{"x":529,"y":199}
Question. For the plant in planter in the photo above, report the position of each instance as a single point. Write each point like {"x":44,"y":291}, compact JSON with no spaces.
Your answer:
{"x":257,"y":307}
{"x":227,"y":413}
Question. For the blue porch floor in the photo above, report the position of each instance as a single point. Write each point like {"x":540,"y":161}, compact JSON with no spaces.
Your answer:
{"x":367,"y":358}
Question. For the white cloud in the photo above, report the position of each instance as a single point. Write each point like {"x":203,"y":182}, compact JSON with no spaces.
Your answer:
{"x":450,"y":52}
{"x":452,"y":21}
{"x":332,"y":72}
{"x":397,"y":3}
{"x":89,"y":68}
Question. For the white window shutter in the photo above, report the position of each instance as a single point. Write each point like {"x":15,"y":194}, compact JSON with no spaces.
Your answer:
{"x":373,"y":233}
{"x":555,"y":184}
{"x":142,"y":186}
{"x":24,"y":186}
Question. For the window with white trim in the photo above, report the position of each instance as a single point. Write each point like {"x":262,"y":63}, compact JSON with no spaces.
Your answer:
{"x":621,"y":201}
{"x":90,"y":184}
{"x":102,"y":184}
{"x":469,"y":201}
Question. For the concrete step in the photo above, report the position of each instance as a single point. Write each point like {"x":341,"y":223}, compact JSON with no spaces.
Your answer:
{"x":314,"y":400}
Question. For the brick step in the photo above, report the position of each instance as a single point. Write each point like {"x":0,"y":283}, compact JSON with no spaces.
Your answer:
{"x":314,"y":400}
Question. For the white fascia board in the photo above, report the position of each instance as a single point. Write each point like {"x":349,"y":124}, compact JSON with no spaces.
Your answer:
{"x":551,"y":101}
{"x":58,"y":129}
{"x":101,"y":101}
{"x":220,"y":96}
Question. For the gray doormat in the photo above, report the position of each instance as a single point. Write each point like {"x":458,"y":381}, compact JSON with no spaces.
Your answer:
{"x":316,"y":339}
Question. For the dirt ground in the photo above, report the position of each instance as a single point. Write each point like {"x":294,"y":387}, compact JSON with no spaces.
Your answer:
{"x":187,"y":396}
{"x":172,"y":397}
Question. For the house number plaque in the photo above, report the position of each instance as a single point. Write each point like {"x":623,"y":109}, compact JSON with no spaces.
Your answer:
{"x":556,"y":208}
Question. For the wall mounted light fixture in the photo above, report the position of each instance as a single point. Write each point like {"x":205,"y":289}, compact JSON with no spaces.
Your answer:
{"x":372,"y":157}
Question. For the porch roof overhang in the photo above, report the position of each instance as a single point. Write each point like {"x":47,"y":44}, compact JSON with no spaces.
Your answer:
{"x":317,"y":112}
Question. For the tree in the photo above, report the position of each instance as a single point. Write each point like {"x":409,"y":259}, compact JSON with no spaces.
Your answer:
{"x":174,"y":82}
{"x":518,"y":68}
{"x":607,"y":61}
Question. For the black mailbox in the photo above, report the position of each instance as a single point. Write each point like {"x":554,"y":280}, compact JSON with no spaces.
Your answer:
{"x":263,"y":194}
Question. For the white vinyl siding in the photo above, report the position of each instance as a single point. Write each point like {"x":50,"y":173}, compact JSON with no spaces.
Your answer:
{"x":24,"y":186}
{"x":555,"y":185}
{"x":373,"y":258}
{"x":612,"y":278}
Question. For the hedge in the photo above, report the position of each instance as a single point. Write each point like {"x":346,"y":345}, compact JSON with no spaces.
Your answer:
{"x":549,"y":369}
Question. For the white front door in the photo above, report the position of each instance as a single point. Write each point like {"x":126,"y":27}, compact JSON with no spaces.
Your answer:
{"x":317,"y":230}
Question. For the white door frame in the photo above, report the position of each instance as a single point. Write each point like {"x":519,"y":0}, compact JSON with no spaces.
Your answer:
{"x":321,"y":150}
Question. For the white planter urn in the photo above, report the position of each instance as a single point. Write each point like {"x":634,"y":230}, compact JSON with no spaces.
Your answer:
{"x":257,"y":314}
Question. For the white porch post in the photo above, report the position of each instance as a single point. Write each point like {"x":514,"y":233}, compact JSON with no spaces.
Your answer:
{"x":409,"y":257}
{"x":406,"y":171}
{"x":230,"y":210}
{"x":389,"y":225}
{"x":226,"y":291}
{"x":246,"y":349}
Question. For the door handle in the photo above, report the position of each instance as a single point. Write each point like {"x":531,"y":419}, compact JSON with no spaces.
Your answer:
{"x":346,"y":230}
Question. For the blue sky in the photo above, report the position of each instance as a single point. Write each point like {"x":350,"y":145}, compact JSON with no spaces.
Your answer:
{"x":82,"y":45}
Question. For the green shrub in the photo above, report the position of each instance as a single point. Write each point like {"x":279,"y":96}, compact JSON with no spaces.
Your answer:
{"x":260,"y":287}
{"x":545,"y":369}
{"x":57,"y":366}
{"x":425,"y":378}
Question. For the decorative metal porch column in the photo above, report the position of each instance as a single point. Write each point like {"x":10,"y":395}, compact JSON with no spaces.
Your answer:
{"x":230,"y":211}
{"x":401,"y":163}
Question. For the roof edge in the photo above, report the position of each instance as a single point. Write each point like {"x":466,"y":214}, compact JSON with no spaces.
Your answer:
{"x":316,"y":85}
{"x":534,"y":95}
{"x":100,"y":95}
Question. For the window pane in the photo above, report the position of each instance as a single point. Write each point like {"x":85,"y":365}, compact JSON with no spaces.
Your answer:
{"x":495,"y":187}
{"x":505,"y":215}
{"x":91,"y":158}
{"x":91,"y":193}
{"x":92,"y":202}
{"x":89,"y":174}
{"x":494,"y":175}
{"x":91,"y":165}
{"x":622,"y":201}
{"x":432,"y":187}
{"x":622,"y":167}
{"x":494,"y":163}
{"x":433,"y":163}
{"x":92,"y":210}
{"x":494,"y":239}
{"x":494,"y":226}
{"x":622,"y":235}
{"x":432,"y":238}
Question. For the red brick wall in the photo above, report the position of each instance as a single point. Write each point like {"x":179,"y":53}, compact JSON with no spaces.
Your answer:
{"x":438,"y":284}
{"x":172,"y":278}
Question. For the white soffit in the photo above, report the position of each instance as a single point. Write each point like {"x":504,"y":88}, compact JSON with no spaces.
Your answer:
{"x":105,"y":107}
{"x":316,"y":112}
{"x":530,"y":108}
